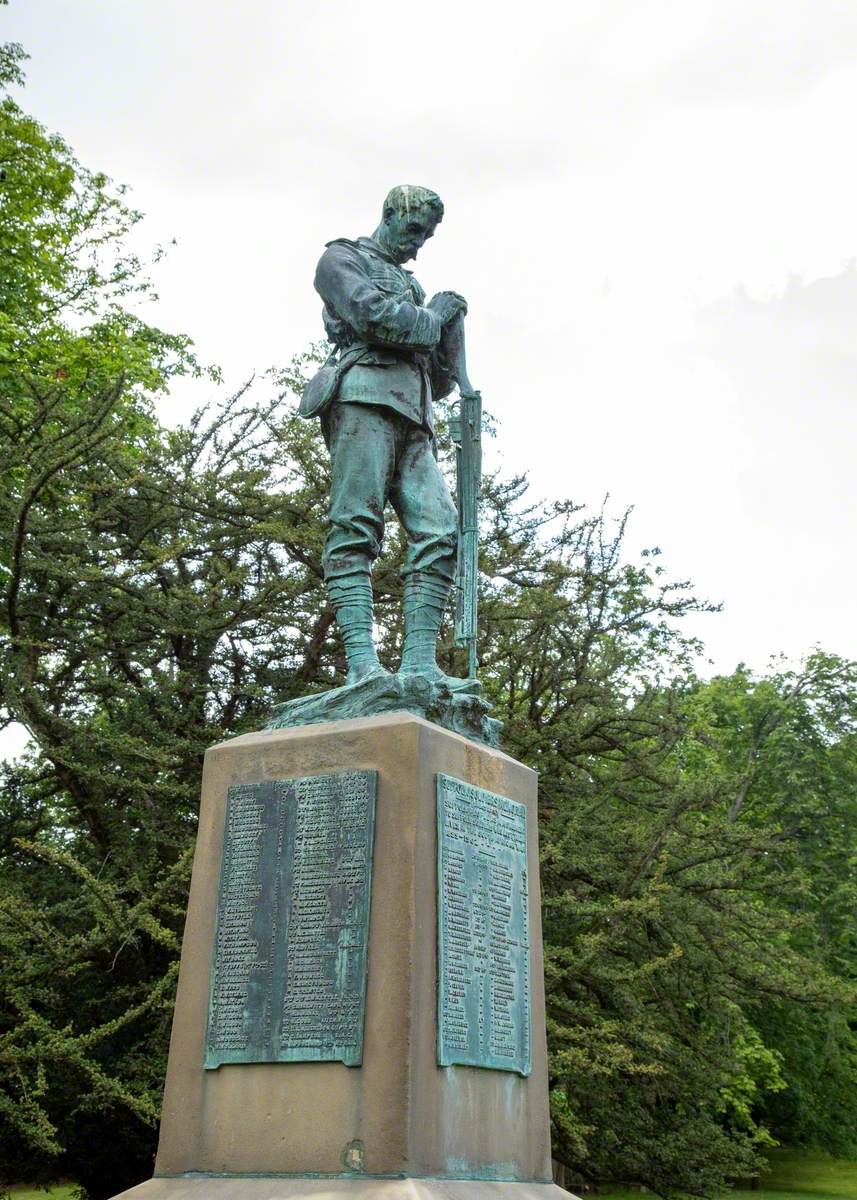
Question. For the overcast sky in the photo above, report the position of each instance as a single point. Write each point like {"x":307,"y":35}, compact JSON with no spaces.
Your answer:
{"x":650,"y":207}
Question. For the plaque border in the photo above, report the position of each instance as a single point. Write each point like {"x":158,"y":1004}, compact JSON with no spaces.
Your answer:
{"x":351,"y":1058}
{"x":446,"y":1058}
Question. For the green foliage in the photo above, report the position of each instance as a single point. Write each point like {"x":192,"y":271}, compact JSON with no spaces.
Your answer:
{"x":63,"y":272}
{"x":785,"y":748}
{"x":685,"y":911}
{"x":88,"y":966}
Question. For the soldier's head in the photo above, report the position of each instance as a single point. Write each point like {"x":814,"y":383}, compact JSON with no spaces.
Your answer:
{"x":411,"y":215}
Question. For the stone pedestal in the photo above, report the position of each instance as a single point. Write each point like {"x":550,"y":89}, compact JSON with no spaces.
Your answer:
{"x":398,"y":1125}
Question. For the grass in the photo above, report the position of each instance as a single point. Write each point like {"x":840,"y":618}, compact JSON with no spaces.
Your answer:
{"x":57,"y":1191}
{"x":794,"y":1175}
{"x":813,"y":1175}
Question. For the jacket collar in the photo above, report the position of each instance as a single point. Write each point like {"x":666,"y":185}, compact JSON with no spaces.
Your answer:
{"x":372,"y":247}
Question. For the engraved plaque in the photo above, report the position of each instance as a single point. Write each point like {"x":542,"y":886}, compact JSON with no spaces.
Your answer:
{"x":483,"y":929}
{"x":288,"y":979}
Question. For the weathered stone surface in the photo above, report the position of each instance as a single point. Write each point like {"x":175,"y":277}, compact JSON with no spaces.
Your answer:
{"x":483,"y":929}
{"x":207,"y":1188}
{"x":288,"y":975}
{"x":399,"y":1113}
{"x":462,"y":712}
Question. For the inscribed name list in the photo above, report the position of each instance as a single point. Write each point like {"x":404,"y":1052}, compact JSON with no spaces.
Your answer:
{"x":288,"y":977}
{"x":483,"y":929}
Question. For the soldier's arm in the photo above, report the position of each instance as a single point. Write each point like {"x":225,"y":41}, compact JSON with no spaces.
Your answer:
{"x":440,"y":370}
{"x":344,"y":284}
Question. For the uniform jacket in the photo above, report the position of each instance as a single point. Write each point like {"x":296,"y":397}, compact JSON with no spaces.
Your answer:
{"x":374,"y":313}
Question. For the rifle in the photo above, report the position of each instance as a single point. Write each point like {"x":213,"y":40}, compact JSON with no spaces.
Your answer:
{"x":466,"y":431}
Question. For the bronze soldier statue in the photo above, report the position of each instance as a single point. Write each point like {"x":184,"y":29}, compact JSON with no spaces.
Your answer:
{"x":392,"y":357}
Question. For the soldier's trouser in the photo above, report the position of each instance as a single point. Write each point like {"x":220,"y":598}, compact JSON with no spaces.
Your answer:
{"x":378,"y":455}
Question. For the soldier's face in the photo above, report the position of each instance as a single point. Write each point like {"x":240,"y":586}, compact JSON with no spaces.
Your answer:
{"x":407,"y":232}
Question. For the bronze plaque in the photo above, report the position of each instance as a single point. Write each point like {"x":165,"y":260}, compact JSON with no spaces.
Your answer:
{"x":288,"y":979}
{"x":483,"y":929}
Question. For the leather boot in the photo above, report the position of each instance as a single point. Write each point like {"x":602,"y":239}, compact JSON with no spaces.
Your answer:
{"x":351,"y":597}
{"x":424,"y":601}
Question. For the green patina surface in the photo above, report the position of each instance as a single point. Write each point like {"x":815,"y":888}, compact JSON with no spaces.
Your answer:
{"x":288,"y":977}
{"x":483,"y":929}
{"x":502,"y":1174}
{"x":394,"y":354}
{"x":463,"y":712}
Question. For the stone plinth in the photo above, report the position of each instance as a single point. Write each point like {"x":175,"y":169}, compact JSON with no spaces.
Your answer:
{"x":398,"y":1125}
{"x":356,"y":1188}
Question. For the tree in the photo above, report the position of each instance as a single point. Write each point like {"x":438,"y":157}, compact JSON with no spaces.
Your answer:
{"x":785,"y":747}
{"x":77,"y":371}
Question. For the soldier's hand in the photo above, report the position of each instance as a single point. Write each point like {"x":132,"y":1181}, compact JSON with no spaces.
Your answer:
{"x":448,"y":305}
